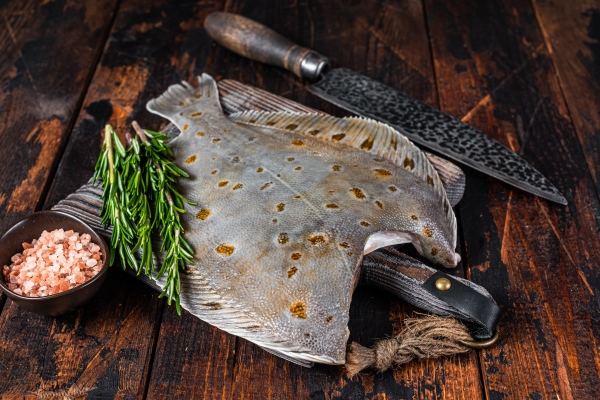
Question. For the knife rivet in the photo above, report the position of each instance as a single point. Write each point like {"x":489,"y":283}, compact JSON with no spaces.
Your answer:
{"x":443,"y":284}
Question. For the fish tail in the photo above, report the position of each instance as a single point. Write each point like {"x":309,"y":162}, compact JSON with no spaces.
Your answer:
{"x":184,"y":104}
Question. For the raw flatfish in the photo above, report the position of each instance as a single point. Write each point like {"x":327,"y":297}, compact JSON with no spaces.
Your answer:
{"x":287,"y":206}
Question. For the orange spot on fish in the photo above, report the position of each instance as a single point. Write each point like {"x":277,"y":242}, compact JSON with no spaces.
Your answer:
{"x":332,"y":205}
{"x":283,"y":238}
{"x":216,"y":140}
{"x":316,"y":240}
{"x":259,"y":169}
{"x":364,"y":223}
{"x":225,"y":249}
{"x":238,"y":186}
{"x":200,"y":133}
{"x":358,"y":193}
{"x":190,"y":159}
{"x":383,"y":172}
{"x":336,"y":168}
{"x":367,"y":144}
{"x":291,"y":272}
{"x":296,"y":256}
{"x":427,"y":231}
{"x":196,"y":114}
{"x":434,"y":251}
{"x":291,"y":127}
{"x":379,"y":204}
{"x":338,"y":137}
{"x":223,"y":183}
{"x":185,"y":127}
{"x":298,"y":310}
{"x":291,"y":159}
{"x":408,"y":163}
{"x":393,"y":188}
{"x":203,"y":214}
{"x":297,"y":142}
{"x":280,"y":207}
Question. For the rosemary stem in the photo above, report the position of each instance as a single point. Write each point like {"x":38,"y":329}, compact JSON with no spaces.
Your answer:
{"x":140,"y":132}
{"x":109,"y":149}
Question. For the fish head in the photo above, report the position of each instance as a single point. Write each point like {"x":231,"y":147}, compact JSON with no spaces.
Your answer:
{"x":437,"y":246}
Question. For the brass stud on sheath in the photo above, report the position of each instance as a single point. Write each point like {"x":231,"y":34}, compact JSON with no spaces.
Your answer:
{"x":443,"y":284}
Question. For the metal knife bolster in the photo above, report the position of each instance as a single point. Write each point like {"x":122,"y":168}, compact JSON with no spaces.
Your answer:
{"x":433,"y":129}
{"x":313,"y":66}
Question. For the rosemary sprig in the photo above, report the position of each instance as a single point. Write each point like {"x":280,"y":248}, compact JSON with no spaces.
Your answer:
{"x":139,"y":204}
{"x":114,"y":199}
{"x":139,"y":198}
{"x":162,"y":174}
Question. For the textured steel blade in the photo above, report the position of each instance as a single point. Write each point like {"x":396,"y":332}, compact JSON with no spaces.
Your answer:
{"x":433,"y":129}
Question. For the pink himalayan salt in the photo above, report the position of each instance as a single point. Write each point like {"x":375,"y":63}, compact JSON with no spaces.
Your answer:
{"x":58,"y":261}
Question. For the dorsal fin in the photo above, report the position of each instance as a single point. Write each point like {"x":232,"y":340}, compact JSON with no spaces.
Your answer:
{"x":365,"y":134}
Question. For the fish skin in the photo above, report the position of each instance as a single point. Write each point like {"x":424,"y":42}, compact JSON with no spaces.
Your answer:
{"x":279,"y":231}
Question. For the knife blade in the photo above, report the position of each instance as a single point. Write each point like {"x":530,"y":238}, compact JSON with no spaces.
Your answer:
{"x":364,"y":96}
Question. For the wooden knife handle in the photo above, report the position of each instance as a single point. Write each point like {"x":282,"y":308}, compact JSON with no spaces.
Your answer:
{"x":257,"y":42}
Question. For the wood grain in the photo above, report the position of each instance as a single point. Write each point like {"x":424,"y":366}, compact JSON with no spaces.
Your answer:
{"x":539,"y":260}
{"x":39,"y":91}
{"x":572,"y":37}
{"x":524,"y":74}
{"x":105,"y":349}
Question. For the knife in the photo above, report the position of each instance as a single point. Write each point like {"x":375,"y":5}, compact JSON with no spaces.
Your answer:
{"x":364,"y":96}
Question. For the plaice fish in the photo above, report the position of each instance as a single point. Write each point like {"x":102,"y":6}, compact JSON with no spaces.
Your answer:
{"x":287,"y":206}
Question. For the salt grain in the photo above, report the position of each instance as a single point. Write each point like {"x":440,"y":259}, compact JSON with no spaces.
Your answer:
{"x":56,"y":262}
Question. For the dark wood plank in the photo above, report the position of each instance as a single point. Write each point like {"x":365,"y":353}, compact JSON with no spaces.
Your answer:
{"x":39,"y":93}
{"x":386,"y":41}
{"x":49,"y":50}
{"x":539,"y":260}
{"x":105,"y":349}
{"x":572,"y":34}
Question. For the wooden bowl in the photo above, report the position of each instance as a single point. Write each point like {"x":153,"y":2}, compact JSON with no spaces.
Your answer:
{"x":31,"y":228}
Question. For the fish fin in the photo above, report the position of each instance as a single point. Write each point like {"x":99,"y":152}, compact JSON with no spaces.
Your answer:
{"x":200,"y":298}
{"x":365,"y":134}
{"x":183,"y":104}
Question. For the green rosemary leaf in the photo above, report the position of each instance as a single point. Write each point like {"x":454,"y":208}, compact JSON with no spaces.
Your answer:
{"x":139,"y":199}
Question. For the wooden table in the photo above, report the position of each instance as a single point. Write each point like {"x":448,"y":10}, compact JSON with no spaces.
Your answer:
{"x":526,"y":73}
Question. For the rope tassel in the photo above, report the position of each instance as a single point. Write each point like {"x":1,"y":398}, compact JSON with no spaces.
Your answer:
{"x":428,"y":337}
